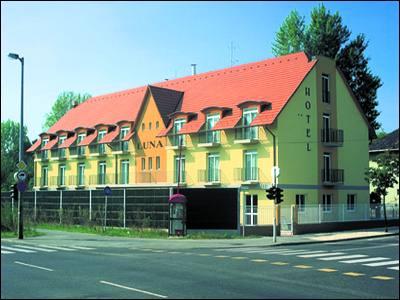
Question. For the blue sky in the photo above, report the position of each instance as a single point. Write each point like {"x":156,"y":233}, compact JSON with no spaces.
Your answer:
{"x":103,"y":47}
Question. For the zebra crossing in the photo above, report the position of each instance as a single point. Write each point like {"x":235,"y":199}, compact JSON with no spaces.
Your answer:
{"x":25,"y":248}
{"x":324,"y":255}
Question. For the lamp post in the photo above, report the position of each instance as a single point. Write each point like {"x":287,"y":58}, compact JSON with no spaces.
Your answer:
{"x":21,"y":153}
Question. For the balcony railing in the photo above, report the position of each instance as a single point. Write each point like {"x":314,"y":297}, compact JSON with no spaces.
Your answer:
{"x":250,"y":174}
{"x":332,"y":176}
{"x":120,"y":146}
{"x":78,"y":151}
{"x":58,"y":153}
{"x":209,"y":176}
{"x":246,"y":133}
{"x":102,"y":179}
{"x":99,"y":149}
{"x":174,"y":140}
{"x":332,"y":137}
{"x":210,"y":136}
{"x":43,"y":181}
{"x":44,"y":155}
{"x":58,"y":181}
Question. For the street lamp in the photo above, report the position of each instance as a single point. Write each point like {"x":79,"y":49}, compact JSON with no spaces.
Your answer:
{"x":21,"y":153}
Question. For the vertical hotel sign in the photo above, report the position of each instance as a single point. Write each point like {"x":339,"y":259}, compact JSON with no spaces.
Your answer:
{"x":308,"y":127}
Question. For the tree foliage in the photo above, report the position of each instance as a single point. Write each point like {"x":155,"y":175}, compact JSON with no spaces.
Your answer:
{"x":326,"y":35}
{"x":63,"y":104}
{"x":10,"y":154}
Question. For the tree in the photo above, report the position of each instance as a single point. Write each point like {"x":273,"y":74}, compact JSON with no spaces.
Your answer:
{"x":384,"y":176}
{"x":290,"y":37}
{"x":10,"y":154}
{"x":65,"y":101}
{"x":327,"y":36}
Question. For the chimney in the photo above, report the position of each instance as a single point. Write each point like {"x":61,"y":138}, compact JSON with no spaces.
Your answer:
{"x":193,"y":69}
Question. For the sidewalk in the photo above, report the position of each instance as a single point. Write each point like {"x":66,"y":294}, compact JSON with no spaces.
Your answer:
{"x":63,"y":238}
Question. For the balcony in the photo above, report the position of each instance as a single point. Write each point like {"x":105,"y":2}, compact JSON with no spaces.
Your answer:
{"x":182,"y":179}
{"x":246,"y":135}
{"x":332,"y":137}
{"x":43,"y":182}
{"x":209,"y":177}
{"x":44,"y":155}
{"x":120,"y":147}
{"x":209,"y":138}
{"x":155,"y":176}
{"x":58,"y":181}
{"x":76,"y":180}
{"x":102,"y":179}
{"x":174,"y":140}
{"x":97,"y":150}
{"x":331,"y":177}
{"x":247,"y":176}
{"x":58,"y":154}
{"x":77,"y":152}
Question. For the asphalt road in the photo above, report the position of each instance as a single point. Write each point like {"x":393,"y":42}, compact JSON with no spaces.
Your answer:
{"x":364,"y":268}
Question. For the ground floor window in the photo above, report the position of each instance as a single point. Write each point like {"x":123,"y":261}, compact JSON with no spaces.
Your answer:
{"x":251,"y":209}
{"x":351,"y":201}
{"x":124,"y":171}
{"x":81,"y":174}
{"x":45,"y":173}
{"x":300,"y":202}
{"x":326,"y":203}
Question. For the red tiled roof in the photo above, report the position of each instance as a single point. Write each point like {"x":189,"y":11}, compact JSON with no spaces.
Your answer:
{"x":109,"y":137}
{"x":229,"y":121}
{"x":50,"y":144}
{"x":88,"y":139}
{"x":194,"y":125}
{"x":68,"y":142}
{"x":273,"y":80}
{"x":35,"y":145}
{"x":165,"y":131}
{"x":128,"y":136}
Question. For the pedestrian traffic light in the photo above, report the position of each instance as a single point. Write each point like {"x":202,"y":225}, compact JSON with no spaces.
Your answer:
{"x":14,"y":192}
{"x":279,"y":196}
{"x":271,"y":192}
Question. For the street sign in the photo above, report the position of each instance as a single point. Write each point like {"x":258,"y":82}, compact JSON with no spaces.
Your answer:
{"x":22,"y":186}
{"x":107,"y":191}
{"x":21,"y":165}
{"x":21,"y":176}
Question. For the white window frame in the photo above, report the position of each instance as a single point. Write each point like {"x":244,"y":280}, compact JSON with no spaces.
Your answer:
{"x":327,"y":166}
{"x":178,"y":124}
{"x":212,"y":136}
{"x":214,"y":162}
{"x":348,"y":207}
{"x":301,"y":202}
{"x":327,"y":206}
{"x":125,"y":171}
{"x":81,"y":174}
{"x":81,"y":149}
{"x":251,"y":211}
{"x":61,"y":174}
{"x":103,"y":167}
{"x":182,"y":168}
{"x":325,"y":77}
{"x":100,"y":136}
{"x":253,"y":164}
{"x":45,"y":174}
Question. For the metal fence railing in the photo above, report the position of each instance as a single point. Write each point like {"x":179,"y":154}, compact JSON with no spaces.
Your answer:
{"x":125,"y":207}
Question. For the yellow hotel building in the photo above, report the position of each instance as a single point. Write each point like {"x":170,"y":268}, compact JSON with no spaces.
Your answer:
{"x":226,"y":129}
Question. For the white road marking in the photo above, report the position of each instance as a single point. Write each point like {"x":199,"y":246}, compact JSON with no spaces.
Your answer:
{"x":37,"y":248}
{"x":394,"y":268}
{"x":320,"y":255}
{"x":17,"y":249}
{"x":81,"y":248}
{"x":33,"y":266}
{"x":372,"y":247}
{"x":353,"y":261}
{"x":263,"y":251}
{"x":57,"y":248}
{"x":343,"y":257}
{"x":133,"y":289}
{"x":302,"y":252}
{"x":6,"y":252}
{"x":384,"y":263}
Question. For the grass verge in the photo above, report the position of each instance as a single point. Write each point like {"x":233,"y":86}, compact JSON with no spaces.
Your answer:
{"x":27,"y":233}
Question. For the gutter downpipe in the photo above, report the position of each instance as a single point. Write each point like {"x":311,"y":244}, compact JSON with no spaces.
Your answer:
{"x":275,"y":180}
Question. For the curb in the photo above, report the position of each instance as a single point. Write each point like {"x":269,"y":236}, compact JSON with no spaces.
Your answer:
{"x":332,"y":241}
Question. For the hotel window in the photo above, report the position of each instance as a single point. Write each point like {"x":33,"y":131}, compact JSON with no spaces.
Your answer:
{"x":212,"y":136}
{"x":143,"y":164}
{"x":251,"y":209}
{"x":102,"y":148}
{"x":61,"y":140}
{"x":325,"y":89}
{"x":181,"y":166}
{"x":157,"y":163}
{"x":250,"y":165}
{"x":213,"y":167}
{"x":249,"y":115}
{"x":300,"y":202}
{"x":326,"y":124}
{"x":150,"y":163}
{"x":45,"y":176}
{"x":351,"y":202}
{"x":45,"y":153}
{"x":327,"y":167}
{"x":81,"y":174}
{"x":178,"y":139}
{"x":102,"y":172}
{"x":81,"y":149}
{"x":61,"y":175}
{"x":124,"y":144}
{"x":326,"y":203}
{"x":125,"y":171}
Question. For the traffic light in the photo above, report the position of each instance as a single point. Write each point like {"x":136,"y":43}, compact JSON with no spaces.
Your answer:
{"x":279,"y":196}
{"x":271,"y":192}
{"x":14,"y":192}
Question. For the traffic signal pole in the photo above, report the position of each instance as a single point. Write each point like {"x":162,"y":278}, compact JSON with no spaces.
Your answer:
{"x":275,"y":184}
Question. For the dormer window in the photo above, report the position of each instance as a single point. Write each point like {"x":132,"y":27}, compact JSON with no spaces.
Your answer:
{"x":60,"y":142}
{"x":212,"y":136}
{"x":178,"y":139}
